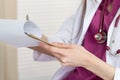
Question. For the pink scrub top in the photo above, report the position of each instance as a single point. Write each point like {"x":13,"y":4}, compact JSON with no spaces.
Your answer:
{"x":91,"y":45}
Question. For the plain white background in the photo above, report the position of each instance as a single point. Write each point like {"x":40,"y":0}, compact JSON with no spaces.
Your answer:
{"x":48,"y":15}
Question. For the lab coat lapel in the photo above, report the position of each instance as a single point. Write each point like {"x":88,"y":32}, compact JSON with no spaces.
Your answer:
{"x":78,"y":22}
{"x":91,"y":7}
{"x":111,"y":32}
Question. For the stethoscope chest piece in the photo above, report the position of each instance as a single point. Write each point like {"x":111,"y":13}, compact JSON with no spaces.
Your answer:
{"x":100,"y":37}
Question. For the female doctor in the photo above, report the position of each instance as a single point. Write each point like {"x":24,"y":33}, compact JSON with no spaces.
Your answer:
{"x":88,"y":44}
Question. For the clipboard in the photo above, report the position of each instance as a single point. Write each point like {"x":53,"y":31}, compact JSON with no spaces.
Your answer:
{"x":35,"y":37}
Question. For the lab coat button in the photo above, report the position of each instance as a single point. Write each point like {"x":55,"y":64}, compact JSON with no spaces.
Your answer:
{"x":113,"y":41}
{"x":118,"y":51}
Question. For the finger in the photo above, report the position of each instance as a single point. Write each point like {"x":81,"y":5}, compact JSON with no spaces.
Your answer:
{"x":57,"y":52}
{"x":62,"y":45}
{"x":37,"y":48}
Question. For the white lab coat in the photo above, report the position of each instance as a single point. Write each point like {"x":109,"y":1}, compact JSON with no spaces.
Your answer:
{"x":73,"y":31}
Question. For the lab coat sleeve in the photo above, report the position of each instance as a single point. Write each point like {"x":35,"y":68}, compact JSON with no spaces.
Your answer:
{"x":117,"y":74}
{"x":64,"y":35}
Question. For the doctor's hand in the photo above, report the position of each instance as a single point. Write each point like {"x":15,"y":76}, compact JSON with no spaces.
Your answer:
{"x":78,"y":56}
{"x":68,"y":54}
{"x":39,"y":48}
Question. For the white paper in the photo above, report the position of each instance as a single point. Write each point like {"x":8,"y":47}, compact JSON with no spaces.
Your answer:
{"x":12,"y":32}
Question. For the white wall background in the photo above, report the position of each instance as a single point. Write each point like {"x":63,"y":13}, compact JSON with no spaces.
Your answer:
{"x":48,"y":15}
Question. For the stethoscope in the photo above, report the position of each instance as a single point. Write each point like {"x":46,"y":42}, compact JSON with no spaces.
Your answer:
{"x":101,"y":35}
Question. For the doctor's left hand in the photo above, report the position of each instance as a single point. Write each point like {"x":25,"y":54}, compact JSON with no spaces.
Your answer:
{"x":69,"y":54}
